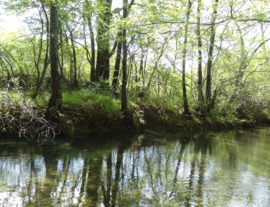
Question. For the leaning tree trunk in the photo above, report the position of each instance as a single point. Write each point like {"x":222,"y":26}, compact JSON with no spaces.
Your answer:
{"x":55,"y":101}
{"x":74,"y":64}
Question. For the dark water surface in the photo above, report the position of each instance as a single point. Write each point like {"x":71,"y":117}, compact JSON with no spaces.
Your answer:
{"x":152,"y":169}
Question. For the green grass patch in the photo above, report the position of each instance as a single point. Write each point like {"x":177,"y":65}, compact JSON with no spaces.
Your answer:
{"x":73,"y":98}
{"x":110,"y":104}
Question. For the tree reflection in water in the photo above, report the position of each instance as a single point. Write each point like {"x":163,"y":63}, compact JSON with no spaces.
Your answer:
{"x":139,"y":170}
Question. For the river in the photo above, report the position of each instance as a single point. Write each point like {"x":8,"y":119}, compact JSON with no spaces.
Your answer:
{"x":230,"y":168}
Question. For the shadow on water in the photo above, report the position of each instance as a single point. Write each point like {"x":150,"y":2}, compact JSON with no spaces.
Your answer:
{"x":151,"y":169}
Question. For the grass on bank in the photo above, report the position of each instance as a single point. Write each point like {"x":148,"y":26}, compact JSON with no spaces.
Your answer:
{"x":112,"y":105}
{"x":83,"y":96}
{"x":78,"y":97}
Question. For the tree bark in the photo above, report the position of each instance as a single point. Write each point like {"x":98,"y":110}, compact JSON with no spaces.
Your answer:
{"x":210,"y":58}
{"x":117,"y":63}
{"x":93,"y":50}
{"x":61,"y":59}
{"x":46,"y":63}
{"x":55,"y":101}
{"x":200,"y":82}
{"x":184,"y":52}
{"x":103,"y":54}
{"x":74,"y":63}
{"x":92,"y":39}
{"x":124,"y":63}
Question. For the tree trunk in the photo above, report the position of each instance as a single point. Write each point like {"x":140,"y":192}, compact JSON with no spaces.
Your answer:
{"x":124,"y":63}
{"x":74,"y":63}
{"x":46,"y":62}
{"x":61,"y":60}
{"x":184,"y":52}
{"x":117,"y":63}
{"x":55,"y":101}
{"x":200,"y":93}
{"x":92,"y":39}
{"x":93,"y":50}
{"x":210,"y":58}
{"x":103,"y":42}
{"x":141,"y":74}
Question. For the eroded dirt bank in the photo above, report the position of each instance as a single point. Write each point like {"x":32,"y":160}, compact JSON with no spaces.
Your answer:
{"x":29,"y":121}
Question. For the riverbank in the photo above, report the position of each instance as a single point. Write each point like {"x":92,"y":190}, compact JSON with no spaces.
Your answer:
{"x":139,"y":117}
{"x":81,"y":115}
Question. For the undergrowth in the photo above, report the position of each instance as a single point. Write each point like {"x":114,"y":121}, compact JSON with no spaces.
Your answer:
{"x":19,"y":115}
{"x":110,"y":104}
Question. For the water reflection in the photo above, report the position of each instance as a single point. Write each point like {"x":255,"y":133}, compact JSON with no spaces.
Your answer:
{"x":213,"y":169}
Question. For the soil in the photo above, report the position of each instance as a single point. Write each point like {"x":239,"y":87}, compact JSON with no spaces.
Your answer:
{"x":86,"y":118}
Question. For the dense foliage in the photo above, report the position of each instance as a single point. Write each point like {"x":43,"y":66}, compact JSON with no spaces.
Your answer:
{"x":207,"y":58}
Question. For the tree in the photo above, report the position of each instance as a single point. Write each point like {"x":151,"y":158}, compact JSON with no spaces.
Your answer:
{"x":117,"y":61}
{"x":41,"y":74}
{"x":208,"y":95}
{"x":184,"y":52}
{"x":124,"y":62}
{"x":103,"y":40}
{"x":200,"y":82}
{"x":91,"y":58}
{"x":126,"y":8}
{"x":55,"y":101}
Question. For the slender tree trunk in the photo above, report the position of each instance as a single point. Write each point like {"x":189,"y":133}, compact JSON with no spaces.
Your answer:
{"x":61,"y":61}
{"x":55,"y":101}
{"x":184,"y":52}
{"x":92,"y":39}
{"x":93,"y":50}
{"x":124,"y":63}
{"x":244,"y":61}
{"x":139,"y":85}
{"x":46,"y":62}
{"x":71,"y":82}
{"x":117,"y":63}
{"x":74,"y":62}
{"x":130,"y":70}
{"x":200,"y":82}
{"x":39,"y":56}
{"x":98,"y":65}
{"x":210,"y":58}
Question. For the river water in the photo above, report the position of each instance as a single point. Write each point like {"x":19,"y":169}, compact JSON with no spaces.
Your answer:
{"x":152,"y":169}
